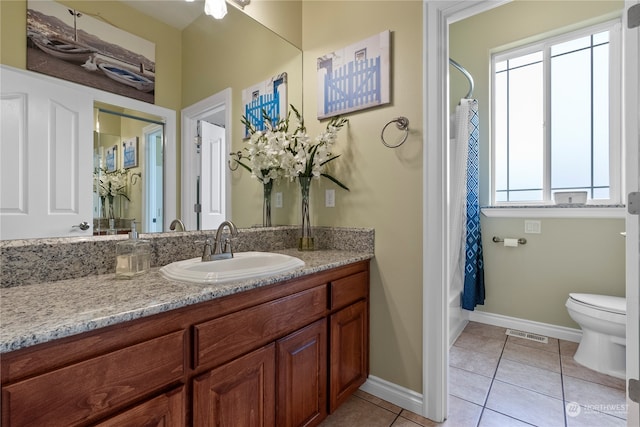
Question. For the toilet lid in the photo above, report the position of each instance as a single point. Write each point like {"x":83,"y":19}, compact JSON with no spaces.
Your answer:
{"x":603,"y":302}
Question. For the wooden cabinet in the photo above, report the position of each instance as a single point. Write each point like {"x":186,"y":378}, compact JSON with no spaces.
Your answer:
{"x":281,"y":355}
{"x":349,"y":362}
{"x":349,"y":331}
{"x":239,"y":393}
{"x":302,"y":376}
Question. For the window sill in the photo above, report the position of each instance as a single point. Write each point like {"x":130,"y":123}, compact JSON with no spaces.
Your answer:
{"x":553,"y":211}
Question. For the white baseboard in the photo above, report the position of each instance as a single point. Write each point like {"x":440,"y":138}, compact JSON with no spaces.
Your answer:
{"x":546,"y":329}
{"x":403,"y":397}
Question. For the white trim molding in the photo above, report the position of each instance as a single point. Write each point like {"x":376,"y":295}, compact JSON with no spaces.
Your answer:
{"x":546,"y":329}
{"x":437,"y":15}
{"x":403,"y":397}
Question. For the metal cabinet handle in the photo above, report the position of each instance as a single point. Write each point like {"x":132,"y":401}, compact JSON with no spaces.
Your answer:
{"x":84,"y":225}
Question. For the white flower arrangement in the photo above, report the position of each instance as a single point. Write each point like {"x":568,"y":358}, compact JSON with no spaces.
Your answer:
{"x":111,"y":184}
{"x":283,"y":151}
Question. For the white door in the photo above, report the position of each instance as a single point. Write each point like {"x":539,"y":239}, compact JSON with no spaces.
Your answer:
{"x":214,"y":109}
{"x":632,"y":136}
{"x":46,"y":159}
{"x":152,"y":208}
{"x":212,"y":176}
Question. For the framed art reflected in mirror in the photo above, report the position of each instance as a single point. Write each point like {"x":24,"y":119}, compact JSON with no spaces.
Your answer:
{"x":130,"y":153}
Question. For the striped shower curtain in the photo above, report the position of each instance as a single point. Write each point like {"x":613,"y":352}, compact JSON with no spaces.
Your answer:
{"x":467,"y":263}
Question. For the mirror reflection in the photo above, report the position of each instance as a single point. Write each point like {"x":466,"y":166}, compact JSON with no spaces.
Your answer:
{"x":128,"y":171}
{"x":154,"y":196}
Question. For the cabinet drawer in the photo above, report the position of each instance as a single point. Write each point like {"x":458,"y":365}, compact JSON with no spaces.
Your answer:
{"x":166,"y":410}
{"x":349,"y":289}
{"x":222,"y":339}
{"x":95,"y":387}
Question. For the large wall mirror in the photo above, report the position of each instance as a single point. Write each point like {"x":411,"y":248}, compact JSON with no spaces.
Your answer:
{"x":234,"y":55}
{"x":148,"y":185}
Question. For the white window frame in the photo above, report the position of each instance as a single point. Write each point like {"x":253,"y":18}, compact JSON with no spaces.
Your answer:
{"x":615,"y":104}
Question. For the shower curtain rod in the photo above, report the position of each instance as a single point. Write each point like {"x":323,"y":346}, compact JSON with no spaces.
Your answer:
{"x":466,"y":74}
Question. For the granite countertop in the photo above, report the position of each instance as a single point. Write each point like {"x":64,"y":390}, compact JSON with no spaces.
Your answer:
{"x":40,"y":313}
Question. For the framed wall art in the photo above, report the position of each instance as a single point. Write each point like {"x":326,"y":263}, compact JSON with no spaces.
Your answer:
{"x":269,"y":96}
{"x":72,"y":45}
{"x":355,"y":77}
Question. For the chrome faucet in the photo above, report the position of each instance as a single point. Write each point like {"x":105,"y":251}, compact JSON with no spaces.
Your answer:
{"x":221,"y":249}
{"x":179,"y":223}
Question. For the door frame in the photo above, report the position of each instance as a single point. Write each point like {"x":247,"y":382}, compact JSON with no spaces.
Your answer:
{"x":437,"y":17}
{"x":631,"y":136}
{"x":435,"y":309}
{"x":218,"y":104}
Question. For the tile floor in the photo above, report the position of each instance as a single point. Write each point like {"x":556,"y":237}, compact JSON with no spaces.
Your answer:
{"x":501,"y":381}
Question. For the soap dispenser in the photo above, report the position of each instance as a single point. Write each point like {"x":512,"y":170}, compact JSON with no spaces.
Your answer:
{"x":133,"y":256}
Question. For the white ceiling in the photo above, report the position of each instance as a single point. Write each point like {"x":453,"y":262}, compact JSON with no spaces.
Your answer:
{"x":177,"y":13}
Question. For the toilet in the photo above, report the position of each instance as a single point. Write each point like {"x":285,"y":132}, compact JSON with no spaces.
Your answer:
{"x":603,"y":322}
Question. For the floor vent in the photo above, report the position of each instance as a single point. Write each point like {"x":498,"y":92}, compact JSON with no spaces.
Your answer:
{"x":527,"y":336}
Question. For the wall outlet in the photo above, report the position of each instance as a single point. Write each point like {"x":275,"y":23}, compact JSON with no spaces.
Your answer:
{"x":330,"y":198}
{"x":278,"y":199}
{"x":532,"y":227}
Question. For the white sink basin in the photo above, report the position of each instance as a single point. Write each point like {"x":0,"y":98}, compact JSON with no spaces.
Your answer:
{"x":243,"y":266}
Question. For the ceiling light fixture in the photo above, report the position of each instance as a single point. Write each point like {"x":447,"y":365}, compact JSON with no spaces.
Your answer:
{"x":215,"y":8}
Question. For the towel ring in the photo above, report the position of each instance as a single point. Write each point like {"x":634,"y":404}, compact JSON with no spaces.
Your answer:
{"x":236,"y":157}
{"x":402,"y":123}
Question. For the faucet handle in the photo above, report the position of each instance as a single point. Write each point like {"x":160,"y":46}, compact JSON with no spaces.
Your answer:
{"x":227,"y":247}
{"x":206,"y":251}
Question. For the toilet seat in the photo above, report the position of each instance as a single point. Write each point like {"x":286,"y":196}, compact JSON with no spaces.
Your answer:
{"x":616,"y":305}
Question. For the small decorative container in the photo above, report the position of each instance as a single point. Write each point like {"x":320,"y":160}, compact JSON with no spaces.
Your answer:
{"x":570,"y":197}
{"x":133,"y":256}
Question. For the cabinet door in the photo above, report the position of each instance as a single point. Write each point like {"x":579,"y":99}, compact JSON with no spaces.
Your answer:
{"x":240,"y":393}
{"x":349,"y":349}
{"x":167,"y":410}
{"x":302,"y":376}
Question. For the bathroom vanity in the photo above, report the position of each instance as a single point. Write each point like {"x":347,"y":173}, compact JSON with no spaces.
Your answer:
{"x":276,"y":351}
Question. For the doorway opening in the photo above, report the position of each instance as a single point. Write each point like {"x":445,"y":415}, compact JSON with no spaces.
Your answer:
{"x":206,"y":140}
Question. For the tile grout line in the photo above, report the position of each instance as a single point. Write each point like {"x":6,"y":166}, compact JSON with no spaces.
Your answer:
{"x":493,"y":378}
{"x":397,"y":416}
{"x":564,"y":400}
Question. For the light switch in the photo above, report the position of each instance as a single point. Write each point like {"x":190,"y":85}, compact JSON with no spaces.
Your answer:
{"x":330,"y":198}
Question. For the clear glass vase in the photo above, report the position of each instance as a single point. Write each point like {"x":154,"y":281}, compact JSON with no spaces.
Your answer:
{"x":103,"y":207}
{"x":110,"y":212}
{"x":306,"y":240}
{"x":266,"y":204}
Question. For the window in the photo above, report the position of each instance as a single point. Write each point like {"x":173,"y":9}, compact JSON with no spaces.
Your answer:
{"x":556,"y":118}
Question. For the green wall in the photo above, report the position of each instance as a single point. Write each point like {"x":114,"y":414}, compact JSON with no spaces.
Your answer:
{"x":571,"y":255}
{"x":386,"y":184}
